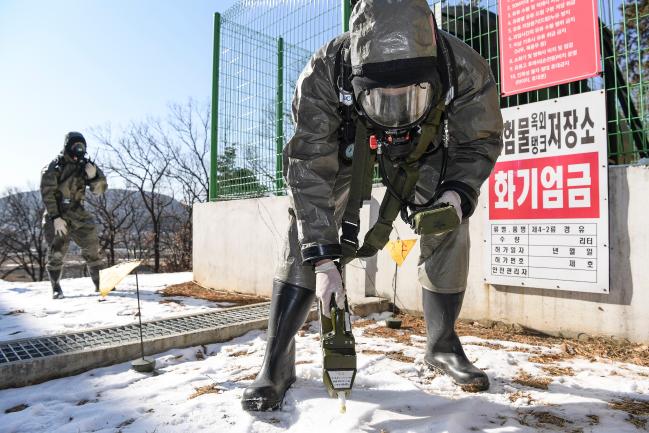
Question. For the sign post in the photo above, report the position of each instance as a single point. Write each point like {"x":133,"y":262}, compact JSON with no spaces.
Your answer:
{"x":548,"y":197}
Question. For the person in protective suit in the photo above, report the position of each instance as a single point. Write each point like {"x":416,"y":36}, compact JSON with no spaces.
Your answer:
{"x":63,"y":188}
{"x":425,"y":100}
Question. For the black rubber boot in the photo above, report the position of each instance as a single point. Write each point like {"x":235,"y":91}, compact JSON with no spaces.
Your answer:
{"x":289,"y":309}
{"x":55,"y":276}
{"x":444,"y":352}
{"x":94,"y":275}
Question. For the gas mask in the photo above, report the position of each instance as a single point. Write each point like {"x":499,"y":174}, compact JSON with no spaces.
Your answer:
{"x":395,"y":114}
{"x":77,"y":151}
{"x":74,"y":146}
{"x":396,"y":108}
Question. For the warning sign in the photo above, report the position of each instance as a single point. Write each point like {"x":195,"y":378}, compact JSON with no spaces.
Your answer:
{"x":110,"y":277}
{"x":547,"y":42}
{"x":399,"y":249}
{"x":548,"y":197}
{"x":341,"y":379}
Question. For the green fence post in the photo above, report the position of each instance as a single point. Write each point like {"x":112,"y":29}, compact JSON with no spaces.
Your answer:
{"x":214,"y":133}
{"x":279,"y":117}
{"x":347,"y":10}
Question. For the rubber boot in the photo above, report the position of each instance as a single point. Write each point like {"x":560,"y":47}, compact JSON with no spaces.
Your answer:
{"x":289,"y":309}
{"x":55,"y":276}
{"x":444,"y":352}
{"x":94,"y":275}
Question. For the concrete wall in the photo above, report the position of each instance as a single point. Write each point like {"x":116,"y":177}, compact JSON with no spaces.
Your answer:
{"x":236,"y":247}
{"x":237,"y":243}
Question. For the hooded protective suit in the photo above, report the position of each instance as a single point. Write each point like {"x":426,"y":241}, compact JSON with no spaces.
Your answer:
{"x":63,"y":189}
{"x":391,"y":46}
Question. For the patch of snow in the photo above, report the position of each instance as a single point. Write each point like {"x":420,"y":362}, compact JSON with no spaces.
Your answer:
{"x":80,"y":309}
{"x":389,"y":395}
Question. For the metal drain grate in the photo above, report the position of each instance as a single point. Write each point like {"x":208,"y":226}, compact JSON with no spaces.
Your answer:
{"x":39,"y":347}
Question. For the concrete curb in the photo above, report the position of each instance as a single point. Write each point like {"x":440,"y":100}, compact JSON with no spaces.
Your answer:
{"x":32,"y":371}
{"x":41,"y":369}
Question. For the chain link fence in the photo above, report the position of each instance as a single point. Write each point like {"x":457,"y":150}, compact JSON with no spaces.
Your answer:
{"x":265,"y":44}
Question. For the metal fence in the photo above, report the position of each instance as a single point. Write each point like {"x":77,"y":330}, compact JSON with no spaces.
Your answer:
{"x":261,"y":46}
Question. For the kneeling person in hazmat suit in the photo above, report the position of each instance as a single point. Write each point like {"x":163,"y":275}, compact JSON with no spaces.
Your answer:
{"x":425,"y":105}
{"x":63,"y":188}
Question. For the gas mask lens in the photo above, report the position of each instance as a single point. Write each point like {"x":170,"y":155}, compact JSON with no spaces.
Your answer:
{"x":395,"y":107}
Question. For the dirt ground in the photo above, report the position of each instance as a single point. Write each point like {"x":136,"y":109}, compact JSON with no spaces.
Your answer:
{"x":586,"y":347}
{"x":193,"y":290}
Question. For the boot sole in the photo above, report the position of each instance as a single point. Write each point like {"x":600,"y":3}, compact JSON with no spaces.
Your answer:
{"x":466,"y":387}
{"x":261,"y":405}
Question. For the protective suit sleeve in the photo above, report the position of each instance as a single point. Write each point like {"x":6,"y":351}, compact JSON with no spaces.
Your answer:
{"x":98,"y":184}
{"x":49,"y":187}
{"x":311,"y":157}
{"x":475,"y":128}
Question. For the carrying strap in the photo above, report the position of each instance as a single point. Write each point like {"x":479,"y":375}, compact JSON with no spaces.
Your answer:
{"x":379,"y":234}
{"x":360,"y":189}
{"x":428,"y":130}
{"x":405,"y":175}
{"x":363,"y":159}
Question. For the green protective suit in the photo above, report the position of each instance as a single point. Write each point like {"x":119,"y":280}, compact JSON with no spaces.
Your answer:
{"x":63,"y":188}
{"x":319,"y":183}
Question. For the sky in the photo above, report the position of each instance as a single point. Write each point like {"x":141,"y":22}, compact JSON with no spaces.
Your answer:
{"x":76,"y":64}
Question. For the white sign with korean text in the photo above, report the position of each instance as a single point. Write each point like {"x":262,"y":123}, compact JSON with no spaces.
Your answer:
{"x":547,"y":219}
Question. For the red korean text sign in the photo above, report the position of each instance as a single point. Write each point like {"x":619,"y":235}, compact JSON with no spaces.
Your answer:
{"x":547,"y":42}
{"x":563,"y":187}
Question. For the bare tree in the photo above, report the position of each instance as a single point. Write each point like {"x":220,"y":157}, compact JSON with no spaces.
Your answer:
{"x":177,"y":240}
{"x":6,"y":267}
{"x":111,"y":212}
{"x":21,"y":236}
{"x":163,"y":160}
{"x":137,"y":241}
{"x":187,"y":135}
{"x":140,"y":157}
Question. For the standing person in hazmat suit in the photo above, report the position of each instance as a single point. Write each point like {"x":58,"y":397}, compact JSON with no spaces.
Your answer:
{"x":425,"y":105}
{"x":63,"y":188}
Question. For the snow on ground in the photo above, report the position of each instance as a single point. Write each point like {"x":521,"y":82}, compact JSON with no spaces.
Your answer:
{"x":393,"y":393}
{"x":28,"y":310}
